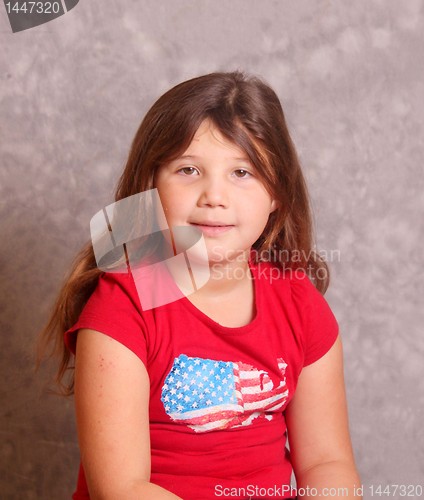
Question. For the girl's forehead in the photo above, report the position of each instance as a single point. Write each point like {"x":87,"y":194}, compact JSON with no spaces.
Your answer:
{"x":209,"y":136}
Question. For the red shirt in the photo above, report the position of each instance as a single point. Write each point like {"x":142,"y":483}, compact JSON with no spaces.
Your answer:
{"x":218,"y":394}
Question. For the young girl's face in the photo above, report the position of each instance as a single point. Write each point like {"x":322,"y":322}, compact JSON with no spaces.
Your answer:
{"x":214,"y":187}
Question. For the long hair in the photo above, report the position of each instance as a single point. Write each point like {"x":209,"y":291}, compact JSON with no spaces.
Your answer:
{"x":249,"y":114}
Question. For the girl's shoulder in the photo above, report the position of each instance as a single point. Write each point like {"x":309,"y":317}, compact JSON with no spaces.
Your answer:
{"x":295,"y":281}
{"x":303,"y":303}
{"x":113,"y":309}
{"x":116,"y":286}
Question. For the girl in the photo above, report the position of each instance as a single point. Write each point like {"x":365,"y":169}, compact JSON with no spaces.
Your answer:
{"x":195,"y":398}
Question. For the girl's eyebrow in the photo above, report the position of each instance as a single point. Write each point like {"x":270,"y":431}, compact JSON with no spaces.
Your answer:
{"x":187,"y":157}
{"x":193,"y":157}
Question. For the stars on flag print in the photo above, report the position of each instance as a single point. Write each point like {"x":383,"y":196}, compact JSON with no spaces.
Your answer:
{"x":207,"y":394}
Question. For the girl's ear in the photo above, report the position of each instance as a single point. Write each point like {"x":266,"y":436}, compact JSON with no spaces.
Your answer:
{"x":274,"y":206}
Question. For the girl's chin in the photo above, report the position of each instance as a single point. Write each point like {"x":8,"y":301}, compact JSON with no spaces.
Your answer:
{"x":225,"y":255}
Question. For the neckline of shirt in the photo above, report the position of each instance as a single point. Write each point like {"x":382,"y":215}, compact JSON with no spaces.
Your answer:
{"x":232,"y":330}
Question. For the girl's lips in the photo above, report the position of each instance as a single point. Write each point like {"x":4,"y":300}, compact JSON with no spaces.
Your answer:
{"x":209,"y":230}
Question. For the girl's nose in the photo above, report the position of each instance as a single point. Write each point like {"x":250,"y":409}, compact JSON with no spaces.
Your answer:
{"x":214,"y":193}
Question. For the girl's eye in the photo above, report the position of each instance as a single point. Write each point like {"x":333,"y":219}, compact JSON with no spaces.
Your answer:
{"x":241,"y":173}
{"x":187,"y":170}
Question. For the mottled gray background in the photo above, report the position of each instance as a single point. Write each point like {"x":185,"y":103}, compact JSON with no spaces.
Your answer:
{"x":350,"y":76}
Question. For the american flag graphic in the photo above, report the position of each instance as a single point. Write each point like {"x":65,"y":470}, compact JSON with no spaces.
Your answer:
{"x":207,"y":395}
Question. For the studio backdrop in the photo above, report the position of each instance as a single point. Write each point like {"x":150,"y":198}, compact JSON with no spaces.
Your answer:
{"x":75,"y":85}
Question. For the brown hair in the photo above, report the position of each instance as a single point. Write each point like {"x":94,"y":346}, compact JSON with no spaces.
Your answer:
{"x":247,"y":112}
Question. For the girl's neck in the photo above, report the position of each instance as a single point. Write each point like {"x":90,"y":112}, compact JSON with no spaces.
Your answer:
{"x":228,"y":298}
{"x":226,"y":278}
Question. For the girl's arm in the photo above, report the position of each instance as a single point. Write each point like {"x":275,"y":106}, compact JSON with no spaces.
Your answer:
{"x":318,"y":431}
{"x":112,"y":409}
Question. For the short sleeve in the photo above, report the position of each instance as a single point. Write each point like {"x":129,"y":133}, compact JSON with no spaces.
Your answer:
{"x":113,"y":309}
{"x":319,"y":326}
